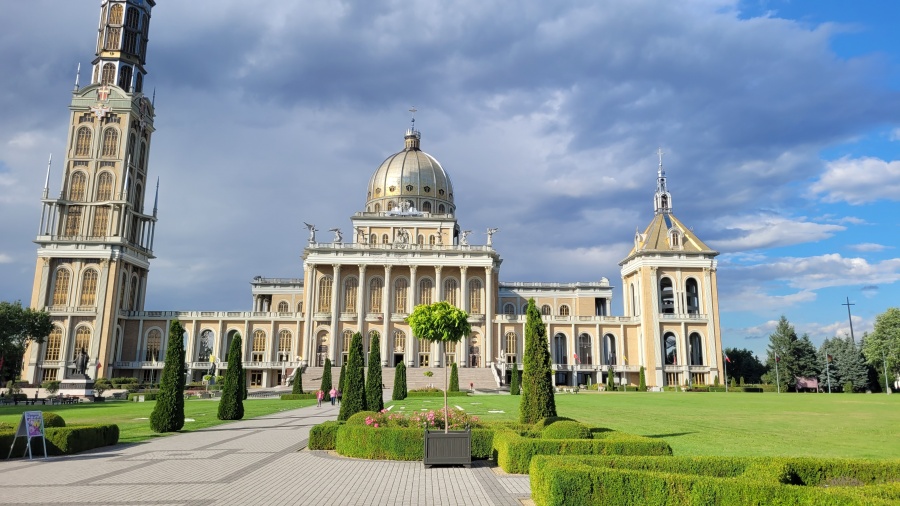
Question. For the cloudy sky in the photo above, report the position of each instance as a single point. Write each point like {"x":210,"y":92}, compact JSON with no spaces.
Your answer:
{"x":780,"y":122}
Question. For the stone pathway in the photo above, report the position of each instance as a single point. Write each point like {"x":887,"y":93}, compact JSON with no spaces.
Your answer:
{"x":254,"y":461}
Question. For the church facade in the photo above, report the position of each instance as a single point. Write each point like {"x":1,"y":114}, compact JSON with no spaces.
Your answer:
{"x":95,"y":246}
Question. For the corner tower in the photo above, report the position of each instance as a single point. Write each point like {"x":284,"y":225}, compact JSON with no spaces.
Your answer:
{"x":95,"y":240}
{"x":670,"y":288}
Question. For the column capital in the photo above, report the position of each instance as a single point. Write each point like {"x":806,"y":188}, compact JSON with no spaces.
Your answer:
{"x":438,"y":268}
{"x":463,"y":268}
{"x":488,"y":270}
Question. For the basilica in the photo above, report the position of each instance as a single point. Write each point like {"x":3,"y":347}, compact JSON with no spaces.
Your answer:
{"x":404,"y":247}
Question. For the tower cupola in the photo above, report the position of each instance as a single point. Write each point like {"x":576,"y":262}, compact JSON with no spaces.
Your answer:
{"x":662,"y":201}
{"x":122,"y":44}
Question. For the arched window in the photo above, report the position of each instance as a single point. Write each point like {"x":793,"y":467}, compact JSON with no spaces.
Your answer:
{"x":609,"y":349}
{"x":696,"y":349}
{"x":666,"y":296}
{"x":78,"y":186}
{"x":564,"y":310}
{"x":83,"y":142}
{"x":101,"y":221}
{"x":283,"y":307}
{"x":509,"y":309}
{"x":693,"y":296}
{"x":351,"y":291}
{"x":105,"y":186}
{"x":559,"y":348}
{"x":426,"y":207}
{"x":143,"y":156}
{"x":401,"y":287}
{"x":61,"y":288}
{"x":113,"y":38}
{"x":424,"y":353}
{"x":284,"y":345}
{"x":450,"y":290}
{"x":375,"y":290}
{"x":325,"y":295}
{"x":441,"y":209}
{"x":259,"y":346}
{"x":391,"y":205}
{"x":635,"y":307}
{"x":54,"y":344}
{"x":584,"y":349}
{"x":205,"y":347}
{"x":512,"y":344}
{"x":73,"y":220}
{"x":115,"y":15}
{"x":123,"y":292}
{"x":110,"y":142}
{"x":373,"y":239}
{"x":348,"y":337}
{"x":670,"y":349}
{"x":399,"y":341}
{"x":425,"y":291}
{"x":133,"y":298}
{"x":109,"y":74}
{"x":82,"y":340}
{"x":377,"y":208}
{"x":154,"y":341}
{"x":125,"y":77}
{"x":300,"y":307}
{"x":321,"y":348}
{"x":545,"y":310}
{"x":88,"y":288}
{"x":384,"y":239}
{"x":432,"y":240}
{"x":420,"y":240}
{"x":475,"y":297}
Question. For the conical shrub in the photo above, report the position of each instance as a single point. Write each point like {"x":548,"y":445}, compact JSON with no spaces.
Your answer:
{"x":354,"y":397}
{"x":454,"y":379}
{"x":168,"y":413}
{"x":374,"y":395}
{"x":514,"y":383}
{"x":399,"y":392}
{"x":231,"y":406}
{"x":537,"y":375}
{"x":326,"y":378}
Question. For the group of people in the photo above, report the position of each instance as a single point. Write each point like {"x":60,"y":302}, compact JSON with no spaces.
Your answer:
{"x":334,"y":394}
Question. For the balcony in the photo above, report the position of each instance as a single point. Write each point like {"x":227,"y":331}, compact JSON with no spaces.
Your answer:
{"x":374,"y":317}
{"x":348,"y":317}
{"x":399,"y":317}
{"x":683,"y":316}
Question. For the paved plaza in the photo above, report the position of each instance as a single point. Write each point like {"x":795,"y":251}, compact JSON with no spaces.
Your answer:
{"x":258,"y":461}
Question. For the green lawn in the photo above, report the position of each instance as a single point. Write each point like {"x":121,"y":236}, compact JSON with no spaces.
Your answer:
{"x":737,"y":424}
{"x":133,"y":417}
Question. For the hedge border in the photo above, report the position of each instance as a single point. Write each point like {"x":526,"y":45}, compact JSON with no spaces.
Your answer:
{"x":64,"y":440}
{"x":297,"y":397}
{"x":436,"y":394}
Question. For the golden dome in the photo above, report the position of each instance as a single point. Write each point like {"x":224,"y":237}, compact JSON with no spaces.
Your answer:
{"x":410,"y":181}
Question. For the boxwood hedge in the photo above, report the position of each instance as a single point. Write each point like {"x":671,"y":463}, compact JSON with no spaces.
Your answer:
{"x":64,"y":440}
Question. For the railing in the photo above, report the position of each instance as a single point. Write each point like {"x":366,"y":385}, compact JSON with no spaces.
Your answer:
{"x":348,"y":317}
{"x":374,"y":317}
{"x":399,"y":317}
{"x":683,"y":316}
{"x":276,"y":281}
{"x":604,"y":283}
{"x":210,"y":314}
{"x":396,"y":246}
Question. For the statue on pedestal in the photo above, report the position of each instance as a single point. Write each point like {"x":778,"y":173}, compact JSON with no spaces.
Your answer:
{"x":81,"y":361}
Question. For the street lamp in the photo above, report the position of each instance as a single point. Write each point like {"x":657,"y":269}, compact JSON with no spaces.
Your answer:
{"x":283,"y":356}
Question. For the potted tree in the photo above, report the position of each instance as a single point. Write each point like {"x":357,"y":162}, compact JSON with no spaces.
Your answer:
{"x":443,"y":322}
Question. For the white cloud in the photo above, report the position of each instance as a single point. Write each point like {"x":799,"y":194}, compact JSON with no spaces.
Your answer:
{"x":5,"y":259}
{"x":812,"y":273}
{"x":859,"y":180}
{"x":766,"y":230}
{"x":756,"y":298}
{"x":869,"y":247}
{"x":895,"y":134}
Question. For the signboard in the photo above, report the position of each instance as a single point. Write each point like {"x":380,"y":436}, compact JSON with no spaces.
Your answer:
{"x":31,"y":425}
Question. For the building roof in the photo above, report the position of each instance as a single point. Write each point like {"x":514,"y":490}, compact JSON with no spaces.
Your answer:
{"x":668,"y":234}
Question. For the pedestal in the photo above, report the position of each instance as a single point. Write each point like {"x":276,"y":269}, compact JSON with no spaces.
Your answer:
{"x":78,"y":387}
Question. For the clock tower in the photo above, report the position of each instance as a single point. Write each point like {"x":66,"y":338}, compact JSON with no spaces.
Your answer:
{"x":95,"y":239}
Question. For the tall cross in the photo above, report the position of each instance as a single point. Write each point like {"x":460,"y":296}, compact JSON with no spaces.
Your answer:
{"x":848,"y":304}
{"x":413,"y":111}
{"x":659,"y":152}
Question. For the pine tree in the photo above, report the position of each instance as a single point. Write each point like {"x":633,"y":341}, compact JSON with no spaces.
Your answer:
{"x":326,"y":378}
{"x":353,"y":400}
{"x":399,"y":392}
{"x":341,"y":377}
{"x":642,"y":380}
{"x":454,"y":379}
{"x":374,"y":393}
{"x":298,"y":381}
{"x":538,"y":401}
{"x":515,"y":385}
{"x":231,"y":405}
{"x":168,"y":413}
{"x":610,"y":384}
{"x":783,"y":344}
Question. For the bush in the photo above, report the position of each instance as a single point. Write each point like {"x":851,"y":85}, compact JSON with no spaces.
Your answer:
{"x":322,"y":436}
{"x":52,"y":419}
{"x":642,"y":381}
{"x":710,"y":480}
{"x":359,"y":418}
{"x":515,"y":385}
{"x":297,"y":386}
{"x":354,"y":396}
{"x":716,"y":381}
{"x":168,"y":413}
{"x":848,"y":387}
{"x":454,"y":379}
{"x":51,"y":386}
{"x":398,"y":443}
{"x":374,"y":399}
{"x":64,"y":440}
{"x":325,"y":386}
{"x":231,"y":405}
{"x":435,"y":393}
{"x":399,"y":392}
{"x":566,"y":429}
{"x":297,"y":397}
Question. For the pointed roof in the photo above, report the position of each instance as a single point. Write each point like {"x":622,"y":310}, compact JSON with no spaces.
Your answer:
{"x":656,"y":239}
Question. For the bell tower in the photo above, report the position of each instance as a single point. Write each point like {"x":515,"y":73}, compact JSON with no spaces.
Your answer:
{"x":95,"y":239}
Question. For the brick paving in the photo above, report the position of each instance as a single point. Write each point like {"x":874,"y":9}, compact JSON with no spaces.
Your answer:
{"x":258,"y":461}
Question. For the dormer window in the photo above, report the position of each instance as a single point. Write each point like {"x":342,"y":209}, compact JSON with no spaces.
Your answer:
{"x":676,"y":238}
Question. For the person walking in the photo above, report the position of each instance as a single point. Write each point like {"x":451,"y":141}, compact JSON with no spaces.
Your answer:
{"x":333,"y":394}
{"x":339,"y":397}
{"x":319,"y":396}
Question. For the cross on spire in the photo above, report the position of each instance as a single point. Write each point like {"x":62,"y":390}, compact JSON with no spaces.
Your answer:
{"x":659,"y":152}
{"x":413,"y":111}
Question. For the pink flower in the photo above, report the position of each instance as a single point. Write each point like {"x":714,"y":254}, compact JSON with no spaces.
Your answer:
{"x":376,"y":425}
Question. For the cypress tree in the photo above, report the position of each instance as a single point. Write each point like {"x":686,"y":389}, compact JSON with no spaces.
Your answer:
{"x":354,"y":398}
{"x":168,"y":413}
{"x":515,"y":387}
{"x":454,"y":379}
{"x":374,"y":395}
{"x":326,"y":378}
{"x":537,"y":386}
{"x":399,"y":383}
{"x":610,"y":384}
{"x":341,"y":377}
{"x":642,"y":380}
{"x":231,"y":405}
{"x":298,"y":381}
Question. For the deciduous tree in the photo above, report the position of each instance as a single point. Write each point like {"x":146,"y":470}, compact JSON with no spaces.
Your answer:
{"x":18,"y":326}
{"x":882,"y":346}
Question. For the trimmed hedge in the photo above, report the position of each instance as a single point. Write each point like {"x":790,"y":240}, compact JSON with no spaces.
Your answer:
{"x":567,"y":429}
{"x":322,"y":436}
{"x":397,"y":443}
{"x":52,"y":419}
{"x":65,"y":440}
{"x":297,"y":397}
{"x":439,"y":393}
{"x":513,"y":451}
{"x":712,"y":480}
{"x":359,"y":418}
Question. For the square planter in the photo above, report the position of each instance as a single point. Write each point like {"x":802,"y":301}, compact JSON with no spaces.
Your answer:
{"x":453,"y":448}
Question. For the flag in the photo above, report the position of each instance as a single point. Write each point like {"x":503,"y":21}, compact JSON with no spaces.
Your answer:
{"x":625,"y":359}
{"x":726,"y":358}
{"x":674,"y":359}
{"x":575,"y":356}
{"x":777,"y":358}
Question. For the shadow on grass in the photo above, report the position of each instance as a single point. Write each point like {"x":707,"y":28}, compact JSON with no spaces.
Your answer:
{"x":673,"y":434}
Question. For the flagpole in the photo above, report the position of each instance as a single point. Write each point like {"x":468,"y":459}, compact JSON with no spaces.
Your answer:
{"x":725,"y":363}
{"x":827,"y":372}
{"x":777,"y":377}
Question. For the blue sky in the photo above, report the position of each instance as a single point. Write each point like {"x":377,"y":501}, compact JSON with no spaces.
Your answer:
{"x":780,"y":121}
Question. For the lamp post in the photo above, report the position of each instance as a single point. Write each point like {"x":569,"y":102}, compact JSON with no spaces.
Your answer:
{"x":283,"y":356}
{"x":887,"y":386}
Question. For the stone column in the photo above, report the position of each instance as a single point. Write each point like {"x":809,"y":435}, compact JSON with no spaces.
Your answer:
{"x":360,"y":300}
{"x":309,"y":309}
{"x":386,"y":350}
{"x":488,"y":311}
{"x":464,"y":305}
{"x":335,"y":311}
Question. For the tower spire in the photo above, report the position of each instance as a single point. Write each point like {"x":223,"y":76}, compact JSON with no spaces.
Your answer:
{"x":156,"y":197}
{"x":47,"y":179}
{"x":662,"y":201}
{"x":77,"y":76}
{"x":412,"y":135}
